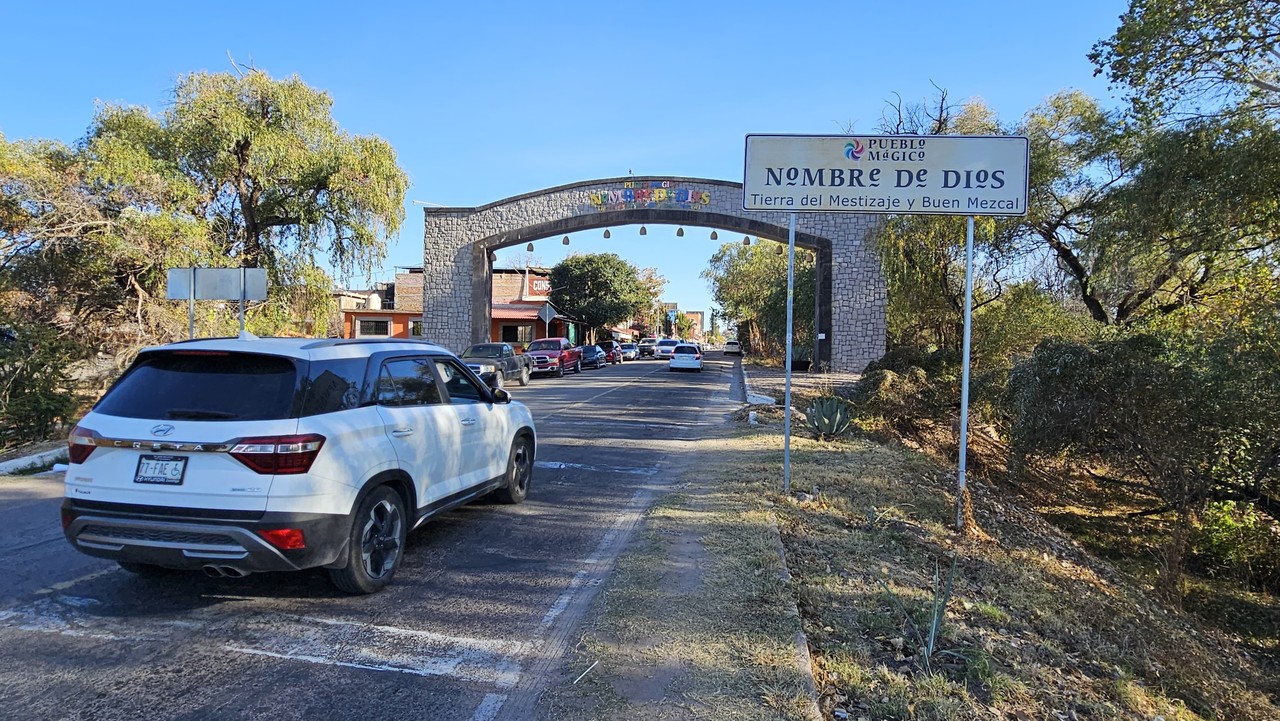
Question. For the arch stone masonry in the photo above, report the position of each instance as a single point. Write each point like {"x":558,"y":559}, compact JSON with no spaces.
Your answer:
{"x":457,"y":280}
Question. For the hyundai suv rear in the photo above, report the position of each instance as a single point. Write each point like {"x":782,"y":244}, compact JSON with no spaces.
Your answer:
{"x":238,"y":456}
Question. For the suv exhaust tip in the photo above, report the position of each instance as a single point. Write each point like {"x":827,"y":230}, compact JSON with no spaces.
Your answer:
{"x":213,"y":571}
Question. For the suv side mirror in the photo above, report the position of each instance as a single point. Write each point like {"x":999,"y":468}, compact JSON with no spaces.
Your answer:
{"x":500,"y":395}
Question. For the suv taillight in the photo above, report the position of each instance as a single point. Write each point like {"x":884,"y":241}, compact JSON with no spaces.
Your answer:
{"x":283,"y":455}
{"x":81,"y":443}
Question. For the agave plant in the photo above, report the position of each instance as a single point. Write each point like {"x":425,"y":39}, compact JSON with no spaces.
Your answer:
{"x":828,"y":417}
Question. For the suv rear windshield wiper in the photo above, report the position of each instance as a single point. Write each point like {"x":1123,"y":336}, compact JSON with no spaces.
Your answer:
{"x":194,"y":414}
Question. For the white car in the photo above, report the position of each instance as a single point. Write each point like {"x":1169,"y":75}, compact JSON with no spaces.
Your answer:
{"x":237,"y":456}
{"x":732,"y":347}
{"x":665,"y":347}
{"x":686,"y":356}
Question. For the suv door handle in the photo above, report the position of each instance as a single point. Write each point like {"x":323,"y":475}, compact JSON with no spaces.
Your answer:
{"x":402,"y":432}
{"x":468,"y":421}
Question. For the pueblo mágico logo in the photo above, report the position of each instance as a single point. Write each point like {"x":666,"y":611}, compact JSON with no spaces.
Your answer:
{"x":854,"y":150}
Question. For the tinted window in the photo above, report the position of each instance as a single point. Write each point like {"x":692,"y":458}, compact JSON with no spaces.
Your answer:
{"x":686,"y":350}
{"x":204,"y":385}
{"x":332,"y":385}
{"x":462,"y":389}
{"x":665,"y":343}
{"x":544,"y":344}
{"x":629,"y":346}
{"x":407,"y":382}
{"x":483,"y":351}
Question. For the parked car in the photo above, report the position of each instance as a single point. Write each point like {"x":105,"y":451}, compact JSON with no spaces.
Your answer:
{"x":685,"y":356}
{"x":239,"y":456}
{"x":630,"y":351}
{"x":555,"y":356}
{"x":647,"y":346}
{"x":593,"y":356}
{"x":500,"y":359}
{"x":664,"y":348}
{"x":612,"y":350}
{"x":732,"y":347}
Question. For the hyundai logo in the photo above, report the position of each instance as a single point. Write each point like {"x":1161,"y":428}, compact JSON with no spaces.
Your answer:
{"x":163,"y":429}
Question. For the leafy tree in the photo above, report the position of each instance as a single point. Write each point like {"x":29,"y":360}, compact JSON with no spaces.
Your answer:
{"x":650,"y":318}
{"x":749,"y":283}
{"x":923,"y":255}
{"x":1173,"y":52}
{"x":684,"y":326}
{"x":600,"y":288}
{"x":1144,"y":223}
{"x":241,"y":170}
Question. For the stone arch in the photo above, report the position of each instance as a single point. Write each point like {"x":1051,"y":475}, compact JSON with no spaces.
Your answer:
{"x":457,"y":241}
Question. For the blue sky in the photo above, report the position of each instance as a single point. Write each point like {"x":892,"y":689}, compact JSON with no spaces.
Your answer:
{"x":487,"y":100}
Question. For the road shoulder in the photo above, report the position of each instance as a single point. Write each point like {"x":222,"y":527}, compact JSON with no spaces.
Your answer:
{"x":698,"y":619}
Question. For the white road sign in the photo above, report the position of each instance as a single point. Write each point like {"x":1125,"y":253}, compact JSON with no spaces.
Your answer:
{"x":918,"y":174}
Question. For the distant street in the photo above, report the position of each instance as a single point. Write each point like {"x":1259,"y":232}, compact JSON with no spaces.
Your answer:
{"x":486,"y":602}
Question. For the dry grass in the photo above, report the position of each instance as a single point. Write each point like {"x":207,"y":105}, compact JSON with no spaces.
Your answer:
{"x":1040,"y":628}
{"x":1037,"y":628}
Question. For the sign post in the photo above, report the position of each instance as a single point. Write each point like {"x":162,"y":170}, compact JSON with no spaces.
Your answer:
{"x":964,"y":175}
{"x":238,"y":284}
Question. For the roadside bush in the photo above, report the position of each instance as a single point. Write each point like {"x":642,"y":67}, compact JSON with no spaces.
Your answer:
{"x":1182,"y":420}
{"x":906,"y":385}
{"x":1233,"y":540}
{"x":35,"y":387}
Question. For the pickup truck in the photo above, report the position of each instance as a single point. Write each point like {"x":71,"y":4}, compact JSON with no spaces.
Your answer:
{"x":647,"y":346}
{"x":500,"y":359}
{"x":555,"y":356}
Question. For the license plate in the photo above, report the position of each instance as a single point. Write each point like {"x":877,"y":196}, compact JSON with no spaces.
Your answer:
{"x":161,"y":469}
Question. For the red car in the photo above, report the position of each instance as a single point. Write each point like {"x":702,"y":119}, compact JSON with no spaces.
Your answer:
{"x":612,"y":350}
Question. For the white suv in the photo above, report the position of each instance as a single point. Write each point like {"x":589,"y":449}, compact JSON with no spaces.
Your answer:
{"x":276,"y":454}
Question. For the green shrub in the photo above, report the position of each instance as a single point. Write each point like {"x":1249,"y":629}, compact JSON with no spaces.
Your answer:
{"x":1232,"y":539}
{"x":35,"y":385}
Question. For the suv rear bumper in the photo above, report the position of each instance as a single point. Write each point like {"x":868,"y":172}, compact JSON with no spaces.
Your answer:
{"x":120,"y":533}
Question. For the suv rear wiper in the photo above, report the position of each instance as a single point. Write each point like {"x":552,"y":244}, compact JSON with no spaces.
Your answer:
{"x":198,"y":414}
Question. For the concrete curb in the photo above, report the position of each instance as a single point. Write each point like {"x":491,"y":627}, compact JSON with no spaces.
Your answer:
{"x":753,"y":397}
{"x":804,"y":662}
{"x":34,"y":461}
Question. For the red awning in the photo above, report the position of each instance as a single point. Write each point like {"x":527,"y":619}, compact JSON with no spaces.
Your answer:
{"x":511,"y":311}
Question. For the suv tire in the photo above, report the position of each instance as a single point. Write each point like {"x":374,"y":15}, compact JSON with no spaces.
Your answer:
{"x":376,"y":543}
{"x":524,"y":376}
{"x":559,"y":370}
{"x":519,"y":472}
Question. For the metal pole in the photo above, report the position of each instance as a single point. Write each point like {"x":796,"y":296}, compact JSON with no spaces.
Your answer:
{"x":191,"y":305}
{"x":964,"y":369}
{"x":242,"y":300}
{"x":791,"y":292}
{"x":817,"y":293}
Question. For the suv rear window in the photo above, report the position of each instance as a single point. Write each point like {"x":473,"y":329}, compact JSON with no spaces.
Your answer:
{"x":686,"y":350}
{"x":204,"y":385}
{"x":665,"y":343}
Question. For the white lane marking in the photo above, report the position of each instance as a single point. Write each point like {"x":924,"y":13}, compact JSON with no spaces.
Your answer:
{"x":489,"y":707}
{"x":68,"y":584}
{"x":633,"y":471}
{"x":327,"y":641}
{"x":634,"y":506}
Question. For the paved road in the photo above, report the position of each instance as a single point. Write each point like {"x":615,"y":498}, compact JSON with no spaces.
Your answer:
{"x":482,"y":610}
